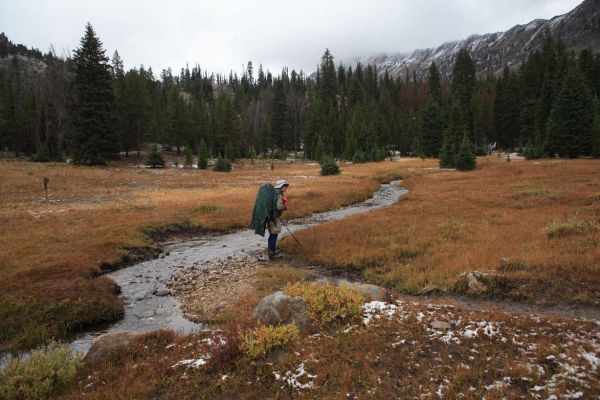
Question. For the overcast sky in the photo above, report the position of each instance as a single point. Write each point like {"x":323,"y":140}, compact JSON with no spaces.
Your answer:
{"x":221,"y":35}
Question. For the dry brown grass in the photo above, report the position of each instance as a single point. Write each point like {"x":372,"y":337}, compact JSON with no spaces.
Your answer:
{"x":50,"y":251}
{"x":453,"y":222}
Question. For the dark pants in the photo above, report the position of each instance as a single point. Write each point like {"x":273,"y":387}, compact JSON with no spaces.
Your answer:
{"x":272,"y":241}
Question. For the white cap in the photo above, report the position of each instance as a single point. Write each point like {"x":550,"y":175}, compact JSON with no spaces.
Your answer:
{"x":281,"y":183}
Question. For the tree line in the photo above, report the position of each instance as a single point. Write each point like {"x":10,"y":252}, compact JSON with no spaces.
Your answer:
{"x":88,"y":107}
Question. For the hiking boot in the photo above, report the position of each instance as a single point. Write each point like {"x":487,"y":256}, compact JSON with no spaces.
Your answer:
{"x":271,"y":254}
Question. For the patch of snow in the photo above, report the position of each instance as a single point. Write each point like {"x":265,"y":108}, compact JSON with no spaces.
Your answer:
{"x":591,"y":358}
{"x":291,"y":378}
{"x":192,"y":362}
{"x":375,"y":309}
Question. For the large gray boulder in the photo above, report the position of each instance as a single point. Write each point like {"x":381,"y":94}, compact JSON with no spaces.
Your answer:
{"x":104,"y":344}
{"x":279,"y":308}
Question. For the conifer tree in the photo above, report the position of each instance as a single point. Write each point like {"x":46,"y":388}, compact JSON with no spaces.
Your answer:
{"x":463,"y":87}
{"x":465,"y":159}
{"x":328,"y":81}
{"x":568,"y":133}
{"x":280,"y":117}
{"x":432,"y":129}
{"x":435,"y":83}
{"x":596,"y":134}
{"x":202,"y":155}
{"x":94,"y":138}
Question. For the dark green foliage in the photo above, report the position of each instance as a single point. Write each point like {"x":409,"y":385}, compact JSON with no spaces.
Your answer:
{"x":351,"y":112}
{"x":327,"y":83}
{"x":189,"y":158}
{"x":569,"y":128}
{"x":329,"y":166}
{"x":281,"y":127}
{"x":435,"y":82}
{"x":203,"y":155}
{"x":596,"y":134}
{"x":432,"y":128}
{"x":222,"y":165}
{"x":463,"y":86}
{"x":507,"y":111}
{"x":94,"y":139}
{"x":452,"y":137}
{"x":465,"y":159}
{"x":42,"y":154}
{"x":155,"y":159}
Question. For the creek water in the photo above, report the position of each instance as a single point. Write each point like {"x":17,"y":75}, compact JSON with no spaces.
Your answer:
{"x":148,"y":305}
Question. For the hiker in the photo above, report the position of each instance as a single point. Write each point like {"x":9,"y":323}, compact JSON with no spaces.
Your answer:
{"x":276,"y":225}
{"x":268,"y":208}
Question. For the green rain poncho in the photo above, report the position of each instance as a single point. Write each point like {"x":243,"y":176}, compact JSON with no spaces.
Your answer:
{"x":265,"y":205}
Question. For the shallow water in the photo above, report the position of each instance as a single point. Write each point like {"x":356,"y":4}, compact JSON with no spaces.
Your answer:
{"x":144,"y":311}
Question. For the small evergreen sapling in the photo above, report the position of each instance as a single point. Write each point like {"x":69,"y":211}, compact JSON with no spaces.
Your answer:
{"x":222,"y":165}
{"x":329,"y":167}
{"x":155,"y":159}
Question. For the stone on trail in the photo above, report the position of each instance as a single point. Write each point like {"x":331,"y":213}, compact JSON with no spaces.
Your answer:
{"x":104,"y":344}
{"x":162,"y":292}
{"x":279,"y":308}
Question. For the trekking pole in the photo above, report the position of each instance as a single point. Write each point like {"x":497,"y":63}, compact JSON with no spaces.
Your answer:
{"x":292,"y":233}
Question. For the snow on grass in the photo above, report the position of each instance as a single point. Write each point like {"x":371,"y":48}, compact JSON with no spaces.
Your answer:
{"x":377,"y":309}
{"x":191,"y":362}
{"x":591,"y":358}
{"x":291,"y":379}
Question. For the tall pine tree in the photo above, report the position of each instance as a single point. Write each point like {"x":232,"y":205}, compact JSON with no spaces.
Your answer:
{"x":95,"y":139}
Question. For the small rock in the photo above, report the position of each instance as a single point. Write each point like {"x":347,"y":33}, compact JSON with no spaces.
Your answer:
{"x":162,"y":292}
{"x":440,"y":325}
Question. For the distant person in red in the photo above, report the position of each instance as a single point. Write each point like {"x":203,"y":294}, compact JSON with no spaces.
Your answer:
{"x":275,"y":226}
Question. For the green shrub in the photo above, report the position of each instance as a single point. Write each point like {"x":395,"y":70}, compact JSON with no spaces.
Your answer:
{"x":359,"y":157}
{"x":42,"y":154}
{"x":222,"y":165}
{"x":559,"y":229}
{"x":155,"y":159}
{"x":260,"y":341}
{"x":329,"y":167}
{"x":328,"y":302}
{"x":44,"y":373}
{"x":279,"y":155}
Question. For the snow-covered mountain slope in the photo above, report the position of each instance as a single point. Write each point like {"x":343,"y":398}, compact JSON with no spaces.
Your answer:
{"x":580,"y":28}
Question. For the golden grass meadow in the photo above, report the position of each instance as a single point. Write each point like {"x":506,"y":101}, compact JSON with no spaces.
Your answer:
{"x":530,"y":228}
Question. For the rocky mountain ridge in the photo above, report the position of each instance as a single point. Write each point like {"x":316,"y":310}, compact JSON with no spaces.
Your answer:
{"x":491,"y":52}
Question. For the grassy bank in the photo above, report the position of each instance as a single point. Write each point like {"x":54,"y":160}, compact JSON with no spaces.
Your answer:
{"x":533,"y":227}
{"x":404,"y":350}
{"x":50,"y":251}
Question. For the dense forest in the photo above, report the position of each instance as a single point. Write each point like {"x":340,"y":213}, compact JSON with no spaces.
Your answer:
{"x":89,"y":108}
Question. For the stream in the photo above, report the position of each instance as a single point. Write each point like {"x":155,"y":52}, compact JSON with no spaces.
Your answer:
{"x":147,"y":301}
